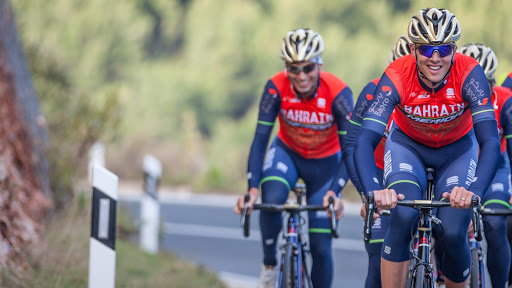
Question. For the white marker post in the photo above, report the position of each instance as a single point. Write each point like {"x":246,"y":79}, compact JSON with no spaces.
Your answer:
{"x":102,"y":250}
{"x":149,"y":206}
{"x":96,"y":157}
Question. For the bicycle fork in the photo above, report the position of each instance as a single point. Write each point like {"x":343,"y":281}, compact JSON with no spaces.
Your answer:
{"x":424,"y":246}
{"x":293,"y":237}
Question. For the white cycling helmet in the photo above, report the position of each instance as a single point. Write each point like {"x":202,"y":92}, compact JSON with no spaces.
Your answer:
{"x":402,"y":48}
{"x":434,"y":27}
{"x":302,"y":45}
{"x":485,"y":57}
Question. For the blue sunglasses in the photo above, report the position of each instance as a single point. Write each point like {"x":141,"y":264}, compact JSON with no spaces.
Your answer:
{"x":428,"y":50}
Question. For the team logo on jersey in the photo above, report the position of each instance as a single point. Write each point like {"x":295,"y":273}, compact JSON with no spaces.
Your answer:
{"x":434,"y":114}
{"x":369,"y":97}
{"x":320,"y":102}
{"x":450,"y":93}
{"x":413,"y":94}
{"x":307,"y":119}
{"x":483,"y":101}
{"x":387,"y":89}
{"x":423,"y":95}
{"x":272,"y":91}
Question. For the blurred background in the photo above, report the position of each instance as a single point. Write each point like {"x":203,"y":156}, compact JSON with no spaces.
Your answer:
{"x":181,"y":79}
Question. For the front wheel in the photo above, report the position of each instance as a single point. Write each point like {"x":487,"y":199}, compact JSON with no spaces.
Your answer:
{"x":474,"y":278}
{"x":288,"y":275}
{"x":419,"y":277}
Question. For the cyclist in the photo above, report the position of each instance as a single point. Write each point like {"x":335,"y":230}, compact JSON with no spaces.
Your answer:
{"x":381,"y":224}
{"x":507,"y":82}
{"x":313,"y":108}
{"x":443,"y":115}
{"x":497,"y":195}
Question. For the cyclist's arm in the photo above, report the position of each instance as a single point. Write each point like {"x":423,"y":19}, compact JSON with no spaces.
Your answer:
{"x":341,"y":109}
{"x":355,"y":124}
{"x":268,"y":110}
{"x":506,"y":124}
{"x":374,"y":124}
{"x":475,"y":91}
{"x":508,"y":82}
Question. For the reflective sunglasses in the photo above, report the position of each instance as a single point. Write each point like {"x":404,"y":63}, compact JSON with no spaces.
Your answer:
{"x":297,"y":69}
{"x":428,"y":50}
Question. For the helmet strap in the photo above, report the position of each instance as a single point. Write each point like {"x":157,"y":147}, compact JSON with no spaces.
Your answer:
{"x":434,"y":84}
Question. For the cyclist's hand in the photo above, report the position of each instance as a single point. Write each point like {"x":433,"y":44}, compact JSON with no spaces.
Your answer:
{"x":240,"y":201}
{"x":362,"y":212}
{"x":459,"y":197}
{"x":339,"y":205}
{"x":510,"y":200}
{"x":386,"y":198}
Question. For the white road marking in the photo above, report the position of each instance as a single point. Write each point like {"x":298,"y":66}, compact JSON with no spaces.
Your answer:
{"x":236,"y":234}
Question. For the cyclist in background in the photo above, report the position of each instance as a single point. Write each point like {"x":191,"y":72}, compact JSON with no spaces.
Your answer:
{"x":443,"y":116}
{"x":497,"y":196}
{"x":381,"y":224}
{"x":313,"y":109}
{"x":507,"y":82}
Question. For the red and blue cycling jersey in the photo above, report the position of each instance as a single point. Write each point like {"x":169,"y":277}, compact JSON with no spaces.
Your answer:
{"x":363,"y":103}
{"x":312,"y":128}
{"x":307,"y":126}
{"x":507,"y":82}
{"x":432,"y":117}
{"x":502,"y":104}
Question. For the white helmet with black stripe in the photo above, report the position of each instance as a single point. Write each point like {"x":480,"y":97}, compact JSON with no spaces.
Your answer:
{"x":401,"y":48}
{"x":485,"y":57}
{"x":302,"y":45}
{"x":434,"y":26}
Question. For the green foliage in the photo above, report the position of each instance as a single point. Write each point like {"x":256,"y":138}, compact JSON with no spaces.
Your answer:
{"x":60,"y":258}
{"x":188,"y":74}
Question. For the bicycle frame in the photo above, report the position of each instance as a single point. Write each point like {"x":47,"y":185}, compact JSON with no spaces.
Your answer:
{"x":477,"y":276}
{"x":295,"y":239}
{"x":421,"y":269}
{"x":294,"y":272}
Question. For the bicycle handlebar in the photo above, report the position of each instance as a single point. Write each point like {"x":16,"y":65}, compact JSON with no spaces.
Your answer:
{"x":244,"y":219}
{"x":421,"y":204}
{"x":368,"y":221}
{"x":475,"y":217}
{"x":333,"y":222}
{"x":288,"y":207}
{"x":495,"y":211}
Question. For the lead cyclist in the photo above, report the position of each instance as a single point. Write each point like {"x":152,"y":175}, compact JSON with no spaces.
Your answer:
{"x":443,"y":119}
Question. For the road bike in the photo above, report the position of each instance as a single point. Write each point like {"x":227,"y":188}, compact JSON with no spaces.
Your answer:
{"x":421,"y":268}
{"x":294,"y":271}
{"x":477,"y":276}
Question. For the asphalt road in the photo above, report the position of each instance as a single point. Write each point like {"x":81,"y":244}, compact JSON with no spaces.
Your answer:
{"x":204,"y":230}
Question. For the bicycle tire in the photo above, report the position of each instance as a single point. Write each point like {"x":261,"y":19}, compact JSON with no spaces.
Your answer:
{"x":410,"y":271}
{"x":287,"y":268}
{"x":419,"y":277}
{"x":474,"y":278}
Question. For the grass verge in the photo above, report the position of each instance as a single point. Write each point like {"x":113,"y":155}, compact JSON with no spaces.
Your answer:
{"x":61,"y":258}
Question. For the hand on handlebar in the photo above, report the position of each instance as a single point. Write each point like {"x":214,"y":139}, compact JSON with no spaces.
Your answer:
{"x":339,"y":205}
{"x":240,"y":202}
{"x":459,"y":197}
{"x":386,"y":198}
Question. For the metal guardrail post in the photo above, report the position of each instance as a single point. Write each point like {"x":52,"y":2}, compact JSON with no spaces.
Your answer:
{"x":150,"y":207}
